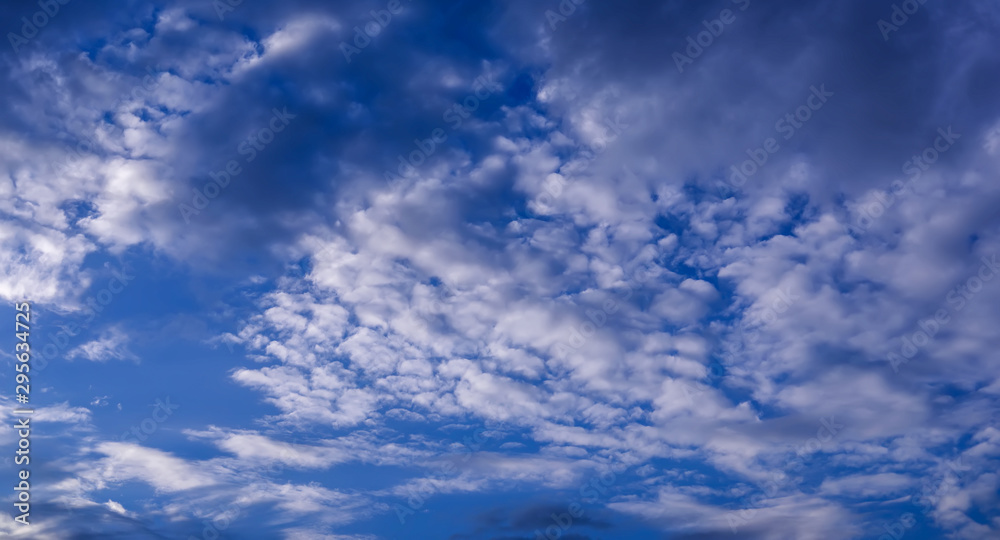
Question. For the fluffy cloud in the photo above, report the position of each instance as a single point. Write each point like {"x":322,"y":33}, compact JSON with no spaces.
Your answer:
{"x":573,"y":266}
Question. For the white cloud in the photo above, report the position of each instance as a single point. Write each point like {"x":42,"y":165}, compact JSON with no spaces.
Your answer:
{"x":112,"y":345}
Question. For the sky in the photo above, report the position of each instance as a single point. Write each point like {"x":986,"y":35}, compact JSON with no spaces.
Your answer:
{"x":520,"y":270}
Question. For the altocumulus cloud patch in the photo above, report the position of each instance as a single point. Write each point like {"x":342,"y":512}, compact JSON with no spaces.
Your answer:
{"x":482,"y":270}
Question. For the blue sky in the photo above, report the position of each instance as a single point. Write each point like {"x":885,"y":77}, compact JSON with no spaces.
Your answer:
{"x":480,"y":270}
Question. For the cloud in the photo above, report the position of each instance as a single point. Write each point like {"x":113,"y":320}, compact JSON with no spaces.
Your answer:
{"x":572,"y":265}
{"x":112,"y":345}
{"x":869,"y":485}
